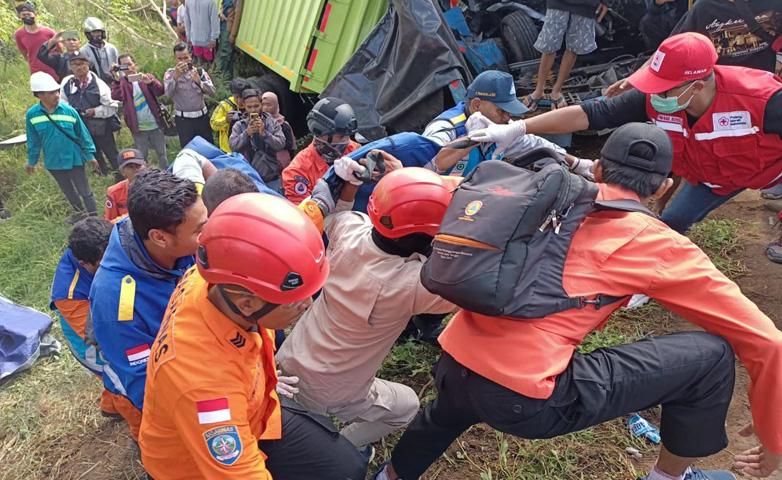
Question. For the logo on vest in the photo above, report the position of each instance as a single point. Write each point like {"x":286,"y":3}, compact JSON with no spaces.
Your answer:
{"x":657,"y":61}
{"x":731,"y":120}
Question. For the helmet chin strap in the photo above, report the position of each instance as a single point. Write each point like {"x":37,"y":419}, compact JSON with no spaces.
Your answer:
{"x":252,"y":318}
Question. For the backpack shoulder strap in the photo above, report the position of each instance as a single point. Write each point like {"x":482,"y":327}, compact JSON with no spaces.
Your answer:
{"x":624,"y":205}
{"x":535,"y":155}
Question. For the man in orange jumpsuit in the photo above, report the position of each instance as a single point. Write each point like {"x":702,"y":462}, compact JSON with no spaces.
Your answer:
{"x":210,"y":408}
{"x":331,"y":122}
{"x":525,"y":377}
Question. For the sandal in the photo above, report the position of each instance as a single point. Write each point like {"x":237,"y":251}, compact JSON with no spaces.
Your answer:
{"x":531,"y":102}
{"x":559,"y":102}
{"x":774,"y":252}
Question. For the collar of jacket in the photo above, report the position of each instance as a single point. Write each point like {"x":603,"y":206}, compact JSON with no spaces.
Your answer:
{"x":133,"y":247}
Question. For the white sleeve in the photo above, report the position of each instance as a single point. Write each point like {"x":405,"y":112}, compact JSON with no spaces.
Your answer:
{"x":527,"y":143}
{"x":440,"y":132}
{"x":108,"y":106}
{"x":189,"y":165}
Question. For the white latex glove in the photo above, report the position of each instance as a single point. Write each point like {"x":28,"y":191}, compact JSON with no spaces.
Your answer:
{"x":477,"y":122}
{"x":637,"y":301}
{"x":502,"y":135}
{"x":286,"y":386}
{"x":345,"y":167}
{"x":584,"y":167}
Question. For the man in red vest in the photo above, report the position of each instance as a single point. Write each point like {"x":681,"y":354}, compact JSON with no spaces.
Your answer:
{"x":725,"y":123}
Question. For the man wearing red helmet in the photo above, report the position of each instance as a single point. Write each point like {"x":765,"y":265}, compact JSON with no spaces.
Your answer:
{"x":372,"y":291}
{"x":725,"y":123}
{"x":211,"y":408}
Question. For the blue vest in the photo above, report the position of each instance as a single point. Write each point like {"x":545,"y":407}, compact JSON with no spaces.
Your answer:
{"x":71,"y":282}
{"x":127,"y":305}
{"x":221,"y":160}
{"x":412,"y":149}
{"x":457,"y":116}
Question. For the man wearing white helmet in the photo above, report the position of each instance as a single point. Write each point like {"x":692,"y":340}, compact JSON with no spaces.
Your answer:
{"x":57,"y":129}
{"x":102,"y":54}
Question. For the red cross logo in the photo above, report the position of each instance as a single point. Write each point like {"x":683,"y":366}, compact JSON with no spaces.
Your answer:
{"x":724,"y":121}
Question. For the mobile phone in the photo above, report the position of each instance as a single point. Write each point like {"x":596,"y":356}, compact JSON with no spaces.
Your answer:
{"x":189,"y":65}
{"x":254,"y":116}
{"x":134,"y":77}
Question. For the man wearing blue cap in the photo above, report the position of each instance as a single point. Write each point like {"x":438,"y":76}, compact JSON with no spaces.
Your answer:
{"x":491,"y":99}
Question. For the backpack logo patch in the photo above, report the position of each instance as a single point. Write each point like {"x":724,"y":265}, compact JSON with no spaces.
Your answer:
{"x":471,"y":209}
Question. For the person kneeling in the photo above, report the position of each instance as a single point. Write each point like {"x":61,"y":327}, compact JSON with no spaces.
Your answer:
{"x":211,"y":410}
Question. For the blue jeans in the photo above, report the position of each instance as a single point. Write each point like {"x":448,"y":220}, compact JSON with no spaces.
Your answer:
{"x":691,"y":205}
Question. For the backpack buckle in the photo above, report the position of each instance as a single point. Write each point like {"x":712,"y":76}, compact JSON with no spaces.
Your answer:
{"x":597,"y":302}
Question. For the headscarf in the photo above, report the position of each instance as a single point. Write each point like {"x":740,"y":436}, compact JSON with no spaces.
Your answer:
{"x":275,"y":113}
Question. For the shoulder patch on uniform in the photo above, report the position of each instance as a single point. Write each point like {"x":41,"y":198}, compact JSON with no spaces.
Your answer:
{"x":301,"y":185}
{"x":138,"y":354}
{"x":224,"y":444}
{"x":127,"y":299}
{"x":108,"y":203}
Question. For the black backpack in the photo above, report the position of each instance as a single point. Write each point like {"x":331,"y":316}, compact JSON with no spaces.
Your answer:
{"x":502,"y":244}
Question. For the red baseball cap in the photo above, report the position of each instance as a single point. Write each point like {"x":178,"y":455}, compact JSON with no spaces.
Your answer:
{"x":680,"y":58}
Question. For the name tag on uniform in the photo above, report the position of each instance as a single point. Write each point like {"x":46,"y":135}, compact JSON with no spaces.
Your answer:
{"x":669,"y":123}
{"x":738,"y":120}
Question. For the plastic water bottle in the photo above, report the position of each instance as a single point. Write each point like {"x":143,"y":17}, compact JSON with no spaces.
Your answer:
{"x":641,"y":428}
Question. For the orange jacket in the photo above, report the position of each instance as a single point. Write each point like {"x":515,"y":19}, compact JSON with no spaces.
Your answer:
{"x":210,"y":393}
{"x":298,"y":178}
{"x":116,"y":200}
{"x":618,"y":253}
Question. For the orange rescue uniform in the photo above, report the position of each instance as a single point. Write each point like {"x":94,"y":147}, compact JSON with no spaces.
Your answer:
{"x":116,"y":200}
{"x":298,"y":178}
{"x":210,"y":393}
{"x":617,"y":253}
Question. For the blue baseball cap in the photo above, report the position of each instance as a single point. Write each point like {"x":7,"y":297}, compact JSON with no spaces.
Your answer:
{"x":498,"y":88}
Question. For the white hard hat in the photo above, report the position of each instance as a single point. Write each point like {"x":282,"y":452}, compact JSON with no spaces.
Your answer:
{"x":91,"y":24}
{"x":43,"y":82}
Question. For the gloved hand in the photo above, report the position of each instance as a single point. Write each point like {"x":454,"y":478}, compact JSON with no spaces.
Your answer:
{"x":286,"y":386}
{"x":477,"y":121}
{"x":345,"y":167}
{"x":324,"y":197}
{"x":502,"y":135}
{"x":584,"y":167}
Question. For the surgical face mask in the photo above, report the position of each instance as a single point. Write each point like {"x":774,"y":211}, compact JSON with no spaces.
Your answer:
{"x":670,"y":104}
{"x":330,"y":151}
{"x":28,"y":20}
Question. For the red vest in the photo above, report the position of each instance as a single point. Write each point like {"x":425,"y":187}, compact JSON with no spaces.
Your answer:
{"x":726,"y":148}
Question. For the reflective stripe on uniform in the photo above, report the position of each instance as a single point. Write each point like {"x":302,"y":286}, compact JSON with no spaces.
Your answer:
{"x":44,"y":118}
{"x":127,"y":298}
{"x":73,"y":284}
{"x":458,"y":119}
{"x":739,"y":132}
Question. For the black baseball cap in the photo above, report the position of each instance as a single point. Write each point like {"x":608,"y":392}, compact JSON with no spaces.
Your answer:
{"x":498,"y":88}
{"x":642,"y":146}
{"x":130,"y":156}
{"x":78,"y":56}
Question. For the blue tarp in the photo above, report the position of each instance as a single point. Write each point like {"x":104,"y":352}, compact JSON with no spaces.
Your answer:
{"x":21,"y":332}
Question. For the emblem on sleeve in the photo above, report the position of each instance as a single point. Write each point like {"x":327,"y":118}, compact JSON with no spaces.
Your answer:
{"x":224,"y":444}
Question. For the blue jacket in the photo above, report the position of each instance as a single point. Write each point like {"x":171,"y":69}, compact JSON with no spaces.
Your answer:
{"x":59,"y":151}
{"x":129,"y":296}
{"x":71,"y":281}
{"x":221,"y":160}
{"x":457,"y":116}
{"x":412,"y":149}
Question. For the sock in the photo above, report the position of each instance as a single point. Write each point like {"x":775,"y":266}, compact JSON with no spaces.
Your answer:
{"x":658,"y":474}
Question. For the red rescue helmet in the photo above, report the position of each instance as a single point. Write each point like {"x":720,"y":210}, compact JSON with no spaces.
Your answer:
{"x":264,"y":244}
{"x":409,"y":200}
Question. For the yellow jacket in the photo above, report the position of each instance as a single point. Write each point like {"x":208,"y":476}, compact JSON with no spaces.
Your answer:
{"x":221,"y":124}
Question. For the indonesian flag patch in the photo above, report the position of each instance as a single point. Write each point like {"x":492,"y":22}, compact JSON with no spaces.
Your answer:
{"x":213,"y":411}
{"x":137,"y":355}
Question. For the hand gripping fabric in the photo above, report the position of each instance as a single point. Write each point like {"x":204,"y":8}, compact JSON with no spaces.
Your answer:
{"x":264,"y":244}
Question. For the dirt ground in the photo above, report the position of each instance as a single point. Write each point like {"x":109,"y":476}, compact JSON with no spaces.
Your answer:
{"x":115,"y":456}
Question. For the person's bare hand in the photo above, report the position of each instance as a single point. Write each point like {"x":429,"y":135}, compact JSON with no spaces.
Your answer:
{"x":212,"y":45}
{"x":94,"y":164}
{"x":758,"y":461}
{"x":180,"y":69}
{"x":260,"y":127}
{"x":194,"y":76}
{"x":29,"y":168}
{"x":617,"y":88}
{"x":90,"y":112}
{"x":601,"y":12}
{"x":391,"y":162}
{"x":146,"y":78}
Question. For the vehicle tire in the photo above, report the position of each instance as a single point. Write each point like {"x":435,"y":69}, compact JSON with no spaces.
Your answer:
{"x":519,"y":33}
{"x":291,"y":104}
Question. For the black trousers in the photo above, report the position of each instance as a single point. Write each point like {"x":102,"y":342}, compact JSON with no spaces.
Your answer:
{"x":106,"y":152}
{"x":690,"y":374}
{"x":189,"y":128}
{"x":75,"y":187}
{"x":311,"y":448}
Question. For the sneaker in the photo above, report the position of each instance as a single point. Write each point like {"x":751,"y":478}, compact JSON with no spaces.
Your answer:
{"x":774,"y":205}
{"x":75,"y":217}
{"x":4,"y":214}
{"x":111,"y":415}
{"x":773,"y":193}
{"x":368,"y":452}
{"x":698,"y":474}
{"x":774,"y":252}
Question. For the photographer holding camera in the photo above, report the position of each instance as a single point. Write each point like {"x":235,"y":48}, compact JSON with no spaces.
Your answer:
{"x":138,"y":93}
{"x":259,"y":137}
{"x":187,"y":86}
{"x":91,"y":97}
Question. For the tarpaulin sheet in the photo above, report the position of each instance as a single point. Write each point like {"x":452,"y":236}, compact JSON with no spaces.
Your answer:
{"x":409,"y":55}
{"x":21,"y":330}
